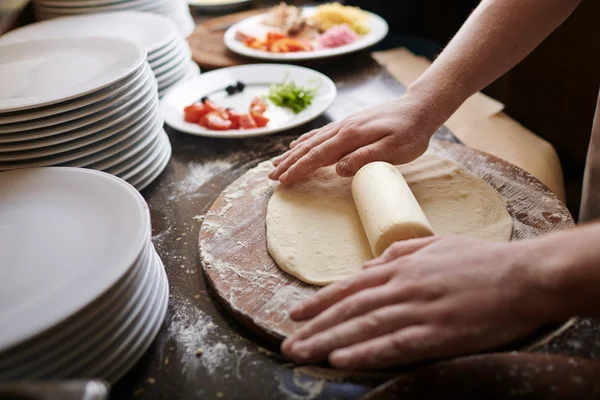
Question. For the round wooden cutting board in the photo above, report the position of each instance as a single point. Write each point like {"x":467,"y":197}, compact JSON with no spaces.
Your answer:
{"x":248,"y":282}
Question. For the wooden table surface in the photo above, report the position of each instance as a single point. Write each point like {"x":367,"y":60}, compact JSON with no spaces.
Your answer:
{"x":234,"y":363}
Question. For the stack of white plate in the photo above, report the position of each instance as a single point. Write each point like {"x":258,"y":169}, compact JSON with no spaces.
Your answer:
{"x":83,"y":292}
{"x":176,"y":10}
{"x":83,"y":102}
{"x":168,"y":53}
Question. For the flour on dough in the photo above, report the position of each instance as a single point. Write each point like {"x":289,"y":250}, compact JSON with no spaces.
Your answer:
{"x":314,"y":231}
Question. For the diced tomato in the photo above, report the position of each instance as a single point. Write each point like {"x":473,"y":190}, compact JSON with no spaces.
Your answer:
{"x":247,"y":122}
{"x":234,"y":117}
{"x":256,"y":44}
{"x":215,"y":121}
{"x":274,"y":36}
{"x":279,"y":47}
{"x":212,"y":106}
{"x":260,"y":120}
{"x":194,"y":112}
{"x":290,"y":45}
{"x":257,"y":106}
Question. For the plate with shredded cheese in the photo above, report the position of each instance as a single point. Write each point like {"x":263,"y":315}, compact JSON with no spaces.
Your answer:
{"x":286,"y":32}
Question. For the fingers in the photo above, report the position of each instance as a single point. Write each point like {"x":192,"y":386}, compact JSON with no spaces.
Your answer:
{"x":400,"y":249}
{"x":351,"y":163}
{"x":308,"y":135}
{"x":362,"y":328}
{"x":358,"y":304}
{"x":287,"y":159}
{"x":335,"y":292}
{"x":404,"y":346}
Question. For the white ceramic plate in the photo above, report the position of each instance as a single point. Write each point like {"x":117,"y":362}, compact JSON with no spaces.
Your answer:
{"x":75,"y":106}
{"x":48,"y":71}
{"x":77,"y":142}
{"x":177,"y":62}
{"x":147,"y":162}
{"x":379,"y":29}
{"x":87,"y":229}
{"x":74,"y":8}
{"x":59,"y":338}
{"x":258,"y":78}
{"x":139,"y":158}
{"x":118,"y":368}
{"x":144,"y":178}
{"x":150,"y":31}
{"x":65,"y":123}
{"x":217,"y":5}
{"x":97,"y":151}
{"x":123,"y":156}
{"x":64,"y":350}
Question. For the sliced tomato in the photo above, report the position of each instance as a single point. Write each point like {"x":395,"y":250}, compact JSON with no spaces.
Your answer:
{"x":194,"y":112}
{"x":279,"y":47}
{"x":274,"y":36}
{"x":212,"y":106}
{"x":257,"y":106}
{"x":260,"y":120}
{"x":234,"y":117}
{"x":247,"y":122}
{"x":216,"y":122}
{"x":291,"y":45}
{"x":256,"y":44}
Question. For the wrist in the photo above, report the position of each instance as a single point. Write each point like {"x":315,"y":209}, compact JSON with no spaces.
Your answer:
{"x":544,"y":274}
{"x":433,"y":102}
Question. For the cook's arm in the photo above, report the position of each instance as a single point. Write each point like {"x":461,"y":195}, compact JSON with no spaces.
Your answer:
{"x":567,"y":266}
{"x":497,"y":35}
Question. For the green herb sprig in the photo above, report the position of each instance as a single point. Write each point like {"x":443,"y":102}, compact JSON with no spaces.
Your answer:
{"x":288,"y":94}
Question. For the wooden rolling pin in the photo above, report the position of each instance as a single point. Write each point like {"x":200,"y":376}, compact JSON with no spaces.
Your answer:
{"x":388,"y":210}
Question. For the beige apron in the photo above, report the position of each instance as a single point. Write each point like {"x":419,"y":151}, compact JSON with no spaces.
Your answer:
{"x":590,"y":198}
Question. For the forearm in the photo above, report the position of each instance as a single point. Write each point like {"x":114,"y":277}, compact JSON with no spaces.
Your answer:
{"x":566,"y":266}
{"x":497,"y":36}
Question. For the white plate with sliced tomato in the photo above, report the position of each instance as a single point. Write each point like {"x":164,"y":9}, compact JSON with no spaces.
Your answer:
{"x":286,"y":32}
{"x":248,"y":100}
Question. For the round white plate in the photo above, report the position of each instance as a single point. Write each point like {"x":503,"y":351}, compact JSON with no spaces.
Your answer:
{"x":155,"y":58}
{"x":70,"y":8}
{"x":44,"y":72}
{"x":86,"y":102}
{"x":62,"y":352}
{"x":138,"y":160}
{"x":150,"y":31}
{"x":124,"y":155}
{"x":217,"y":5}
{"x":258,"y":78}
{"x":379,"y":30}
{"x":118,"y":368}
{"x":86,"y":115}
{"x":96,"y":122}
{"x":178,"y":51}
{"x":133,"y":144}
{"x":72,"y":143}
{"x":87,"y":229}
{"x":97,"y":151}
{"x":58,"y":339}
{"x":158,"y":163}
{"x":147,"y":162}
{"x":130,"y":349}
{"x":178,"y":62}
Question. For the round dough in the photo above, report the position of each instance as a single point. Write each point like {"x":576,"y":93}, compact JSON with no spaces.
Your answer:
{"x":314,"y":231}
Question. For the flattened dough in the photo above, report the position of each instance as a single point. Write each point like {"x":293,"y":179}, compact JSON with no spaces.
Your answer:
{"x":314,"y":231}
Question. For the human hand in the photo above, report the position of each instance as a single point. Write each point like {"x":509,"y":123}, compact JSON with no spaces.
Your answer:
{"x":396,"y":132}
{"x":424,"y":299}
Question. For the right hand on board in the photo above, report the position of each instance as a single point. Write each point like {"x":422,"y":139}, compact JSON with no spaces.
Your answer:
{"x":396,"y":132}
